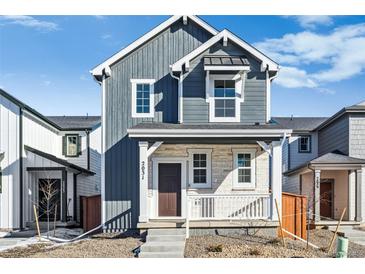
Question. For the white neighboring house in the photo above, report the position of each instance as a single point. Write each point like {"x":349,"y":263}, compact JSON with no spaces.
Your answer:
{"x":33,"y":147}
{"x":325,"y":159}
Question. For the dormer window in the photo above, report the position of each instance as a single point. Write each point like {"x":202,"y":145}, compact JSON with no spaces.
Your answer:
{"x":304,"y":144}
{"x":143,"y":98}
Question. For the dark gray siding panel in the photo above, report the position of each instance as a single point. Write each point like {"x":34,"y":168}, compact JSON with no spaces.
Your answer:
{"x":334,"y":137}
{"x":195,"y":107}
{"x":151,"y":61}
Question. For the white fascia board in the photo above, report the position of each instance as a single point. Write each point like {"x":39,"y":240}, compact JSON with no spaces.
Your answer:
{"x":99,"y":69}
{"x":227,"y":68}
{"x":266,"y":61}
{"x":138,"y":133}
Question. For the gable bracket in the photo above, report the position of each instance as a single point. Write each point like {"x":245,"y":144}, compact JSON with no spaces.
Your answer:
{"x":153,"y":148}
{"x":265,"y":147}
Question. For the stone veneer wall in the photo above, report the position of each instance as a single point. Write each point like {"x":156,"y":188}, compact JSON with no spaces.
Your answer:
{"x":222,"y":166}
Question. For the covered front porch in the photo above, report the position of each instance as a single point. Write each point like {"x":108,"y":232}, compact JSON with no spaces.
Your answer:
{"x":209,"y":178}
{"x":46,"y":175}
{"x":334,"y":182}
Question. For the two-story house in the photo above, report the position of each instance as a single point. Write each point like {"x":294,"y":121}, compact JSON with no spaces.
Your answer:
{"x":37,"y":151}
{"x":186,"y":131}
{"x":325,"y":160}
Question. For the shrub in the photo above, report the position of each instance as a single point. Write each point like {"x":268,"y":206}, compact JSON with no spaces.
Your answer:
{"x":255,"y":252}
{"x":215,"y":248}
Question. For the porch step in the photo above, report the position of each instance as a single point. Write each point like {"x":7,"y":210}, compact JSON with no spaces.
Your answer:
{"x":161,"y":255}
{"x":164,"y":243}
{"x":166,"y":231}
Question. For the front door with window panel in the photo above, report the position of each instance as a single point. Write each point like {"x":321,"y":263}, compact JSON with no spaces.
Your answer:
{"x":326,"y":198}
{"x":169,"y":189}
{"x":49,"y":192}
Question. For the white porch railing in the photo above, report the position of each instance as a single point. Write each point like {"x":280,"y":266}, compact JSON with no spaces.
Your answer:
{"x":228,"y":207}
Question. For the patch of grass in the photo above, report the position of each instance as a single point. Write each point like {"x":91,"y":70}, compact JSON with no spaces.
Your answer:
{"x":255,"y":252}
{"x":215,"y":248}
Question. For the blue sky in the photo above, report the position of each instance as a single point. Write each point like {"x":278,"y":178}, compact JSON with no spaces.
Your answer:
{"x":45,"y":60}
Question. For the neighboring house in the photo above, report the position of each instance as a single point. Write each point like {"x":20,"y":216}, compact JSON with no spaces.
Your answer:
{"x":35,"y":148}
{"x":186,"y":131}
{"x":325,"y":160}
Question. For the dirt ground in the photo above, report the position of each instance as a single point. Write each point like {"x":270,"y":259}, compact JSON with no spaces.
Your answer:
{"x":99,"y":246}
{"x":264,"y":247}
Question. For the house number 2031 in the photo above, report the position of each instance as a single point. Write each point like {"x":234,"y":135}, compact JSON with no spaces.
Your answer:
{"x":143,"y":170}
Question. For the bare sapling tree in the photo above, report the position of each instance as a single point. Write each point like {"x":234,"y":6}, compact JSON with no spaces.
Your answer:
{"x":49,"y":201}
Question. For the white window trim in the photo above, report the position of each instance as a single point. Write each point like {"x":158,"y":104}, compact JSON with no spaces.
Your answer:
{"x":191,"y":153}
{"x":68,"y":144}
{"x":134,"y":83}
{"x":211,"y":99}
{"x":252,"y":184}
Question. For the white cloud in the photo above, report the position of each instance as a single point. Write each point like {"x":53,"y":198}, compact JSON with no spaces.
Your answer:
{"x":100,"y":17}
{"x":312,"y":21}
{"x":291,"y":77}
{"x":46,"y":83}
{"x":340,"y":54}
{"x":106,"y":36}
{"x":83,"y":77}
{"x":29,"y":21}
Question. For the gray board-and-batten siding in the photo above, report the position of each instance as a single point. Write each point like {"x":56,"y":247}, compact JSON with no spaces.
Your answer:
{"x":150,"y":61}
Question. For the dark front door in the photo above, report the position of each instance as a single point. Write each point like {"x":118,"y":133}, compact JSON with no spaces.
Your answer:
{"x":169,"y":190}
{"x":49,"y":191}
{"x":326,"y":203}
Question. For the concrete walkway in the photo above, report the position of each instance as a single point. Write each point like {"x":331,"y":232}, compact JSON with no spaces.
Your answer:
{"x":164,"y":243}
{"x":354,"y":235}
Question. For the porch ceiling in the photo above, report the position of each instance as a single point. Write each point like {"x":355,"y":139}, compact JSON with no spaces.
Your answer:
{"x":211,"y":130}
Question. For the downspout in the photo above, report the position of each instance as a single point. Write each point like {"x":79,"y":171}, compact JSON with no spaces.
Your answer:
{"x":268,"y":93}
{"x":75,"y":196}
{"x":21,"y":168}
{"x":88,"y":148}
{"x":180,"y":94}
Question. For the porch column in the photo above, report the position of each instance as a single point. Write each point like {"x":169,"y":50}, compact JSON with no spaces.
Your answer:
{"x":143,"y":182}
{"x":360,"y":195}
{"x":352,"y":195}
{"x":317,"y":195}
{"x":276,"y":178}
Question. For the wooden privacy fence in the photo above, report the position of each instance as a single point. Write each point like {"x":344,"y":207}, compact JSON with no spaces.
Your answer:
{"x":294,"y":217}
{"x":90,"y":212}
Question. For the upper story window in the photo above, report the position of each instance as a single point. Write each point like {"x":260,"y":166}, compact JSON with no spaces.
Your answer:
{"x":143,"y":98}
{"x":224,"y":97}
{"x":72,"y":145}
{"x":304,"y":144}
{"x":200,"y":168}
{"x":244,"y":168}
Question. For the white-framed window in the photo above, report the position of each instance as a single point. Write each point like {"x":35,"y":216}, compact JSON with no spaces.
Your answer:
{"x":200,"y":167}
{"x":244,"y":169}
{"x":304,"y":144}
{"x":224,"y":97}
{"x":143,"y":103}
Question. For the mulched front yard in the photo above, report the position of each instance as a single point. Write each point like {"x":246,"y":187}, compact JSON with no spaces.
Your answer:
{"x":99,"y":246}
{"x":239,"y":246}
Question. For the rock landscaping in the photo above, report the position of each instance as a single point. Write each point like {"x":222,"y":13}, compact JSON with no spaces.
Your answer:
{"x":98,"y":246}
{"x":261,"y":246}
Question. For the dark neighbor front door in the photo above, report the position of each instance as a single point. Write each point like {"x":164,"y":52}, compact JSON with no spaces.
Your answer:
{"x":326,"y":203}
{"x":169,"y":190}
{"x":55,"y":199}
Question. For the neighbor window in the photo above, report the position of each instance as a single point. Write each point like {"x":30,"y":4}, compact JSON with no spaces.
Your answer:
{"x":200,"y":168}
{"x":304,"y":144}
{"x":142,"y":98}
{"x":244,"y":169}
{"x":224,"y":98}
{"x":72,"y":145}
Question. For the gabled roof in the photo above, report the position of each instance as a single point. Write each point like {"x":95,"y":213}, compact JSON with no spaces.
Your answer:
{"x":300,"y":124}
{"x":98,"y":70}
{"x":357,"y":108}
{"x":58,"y":160}
{"x":76,"y":122}
{"x":226,"y":35}
{"x":331,"y":158}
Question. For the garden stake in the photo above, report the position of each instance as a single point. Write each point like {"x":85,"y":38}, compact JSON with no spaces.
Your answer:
{"x":36,"y":221}
{"x":335,"y":234}
{"x":54,"y":221}
{"x":281,"y":227}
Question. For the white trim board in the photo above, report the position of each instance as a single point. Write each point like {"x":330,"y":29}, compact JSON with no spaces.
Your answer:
{"x":266,"y":61}
{"x":98,"y":70}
